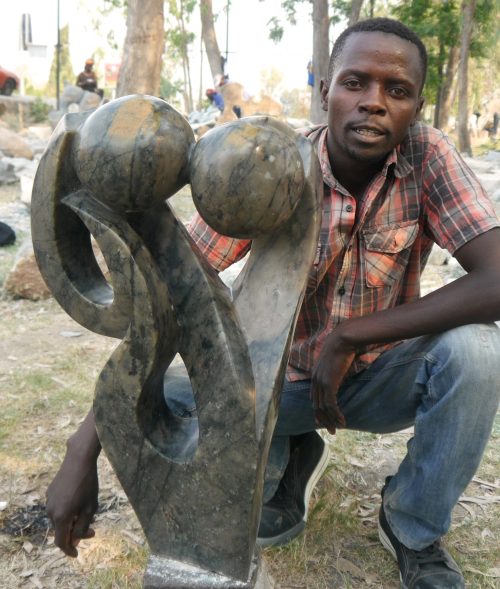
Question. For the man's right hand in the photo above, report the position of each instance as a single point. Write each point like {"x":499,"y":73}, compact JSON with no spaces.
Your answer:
{"x":72,"y":495}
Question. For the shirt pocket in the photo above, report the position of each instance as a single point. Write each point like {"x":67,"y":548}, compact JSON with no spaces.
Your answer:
{"x":386,"y":251}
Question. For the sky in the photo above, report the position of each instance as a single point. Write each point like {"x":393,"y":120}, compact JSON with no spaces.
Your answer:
{"x":247,"y":30}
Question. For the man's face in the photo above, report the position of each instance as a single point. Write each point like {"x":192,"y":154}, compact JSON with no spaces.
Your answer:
{"x":374,"y":96}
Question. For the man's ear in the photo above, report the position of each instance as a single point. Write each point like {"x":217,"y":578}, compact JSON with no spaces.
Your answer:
{"x":323,"y":90}
{"x":418,"y":110}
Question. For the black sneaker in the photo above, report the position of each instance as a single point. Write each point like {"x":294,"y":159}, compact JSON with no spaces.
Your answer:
{"x":285,"y":515}
{"x":430,"y":568}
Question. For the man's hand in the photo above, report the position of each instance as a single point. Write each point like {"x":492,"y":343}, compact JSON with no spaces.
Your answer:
{"x":72,"y":502}
{"x":335,"y":360}
{"x":72,"y":495}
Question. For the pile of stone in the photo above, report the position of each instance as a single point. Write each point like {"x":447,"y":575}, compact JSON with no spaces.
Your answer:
{"x":20,"y":153}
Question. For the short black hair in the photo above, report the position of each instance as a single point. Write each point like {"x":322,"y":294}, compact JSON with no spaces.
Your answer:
{"x":379,"y":25}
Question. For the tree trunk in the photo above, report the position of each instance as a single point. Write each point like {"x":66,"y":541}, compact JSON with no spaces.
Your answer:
{"x":446,"y":94}
{"x":209,"y":38}
{"x":468,"y":9}
{"x":356,"y":6}
{"x":188,"y":88}
{"x":321,"y":55}
{"x":143,"y":49}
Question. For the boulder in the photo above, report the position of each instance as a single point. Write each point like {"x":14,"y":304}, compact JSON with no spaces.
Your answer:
{"x":70,"y":95}
{"x":89,"y":101}
{"x":24,"y":280}
{"x":7,"y":173}
{"x":12,"y":145}
{"x":234,"y":95}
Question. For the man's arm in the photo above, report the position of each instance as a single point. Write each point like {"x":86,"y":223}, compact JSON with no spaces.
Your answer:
{"x":473,"y":298}
{"x":72,"y":495}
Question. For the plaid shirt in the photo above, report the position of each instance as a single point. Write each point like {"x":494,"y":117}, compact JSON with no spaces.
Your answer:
{"x":371,"y":252}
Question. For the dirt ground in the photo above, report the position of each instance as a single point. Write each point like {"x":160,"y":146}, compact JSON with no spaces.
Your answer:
{"x":48,"y":367}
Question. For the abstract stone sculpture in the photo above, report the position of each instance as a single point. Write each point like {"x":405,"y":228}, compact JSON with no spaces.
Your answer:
{"x":108,"y":174}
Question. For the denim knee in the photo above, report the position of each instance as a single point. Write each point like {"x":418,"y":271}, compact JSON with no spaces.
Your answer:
{"x":468,"y":357}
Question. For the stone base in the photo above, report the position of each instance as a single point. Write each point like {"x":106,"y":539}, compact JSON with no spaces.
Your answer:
{"x":164,"y":573}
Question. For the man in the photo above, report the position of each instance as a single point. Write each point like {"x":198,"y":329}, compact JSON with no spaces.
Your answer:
{"x":87,"y":80}
{"x":215,"y":98}
{"x":368,"y":353}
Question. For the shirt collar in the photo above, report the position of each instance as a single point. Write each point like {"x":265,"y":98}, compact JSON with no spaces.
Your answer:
{"x":396,"y":159}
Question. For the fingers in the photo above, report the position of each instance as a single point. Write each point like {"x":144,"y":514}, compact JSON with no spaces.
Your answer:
{"x":62,"y":539}
{"x":327,"y":412}
{"x":69,"y":532}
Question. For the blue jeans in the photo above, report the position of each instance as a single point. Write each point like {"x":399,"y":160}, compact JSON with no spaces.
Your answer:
{"x":447,"y":386}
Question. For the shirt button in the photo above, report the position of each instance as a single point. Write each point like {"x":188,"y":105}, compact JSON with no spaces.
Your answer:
{"x":341,"y":291}
{"x":349,"y":208}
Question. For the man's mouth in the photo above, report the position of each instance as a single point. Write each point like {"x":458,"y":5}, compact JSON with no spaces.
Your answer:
{"x":368,"y":131}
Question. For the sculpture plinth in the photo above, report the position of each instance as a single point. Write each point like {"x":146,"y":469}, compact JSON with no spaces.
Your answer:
{"x":108,"y":174}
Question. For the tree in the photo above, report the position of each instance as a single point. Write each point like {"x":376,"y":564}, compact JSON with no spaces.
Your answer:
{"x":178,"y":39}
{"x":321,"y":56}
{"x":468,"y":9}
{"x":320,"y":49}
{"x":210,"y":38}
{"x":143,"y":49}
{"x":270,"y":81}
{"x":356,"y":6}
{"x":438,"y":23}
{"x":66,"y":73}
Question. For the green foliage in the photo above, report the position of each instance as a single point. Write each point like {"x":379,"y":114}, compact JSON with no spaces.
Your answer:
{"x":438,"y":24}
{"x":276,"y":29}
{"x":116,"y":3}
{"x":67,"y":75}
{"x":39,"y":110}
{"x":170,"y":89}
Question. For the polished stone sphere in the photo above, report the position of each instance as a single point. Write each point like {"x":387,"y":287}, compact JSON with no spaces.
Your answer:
{"x":247,"y":176}
{"x":133,"y":152}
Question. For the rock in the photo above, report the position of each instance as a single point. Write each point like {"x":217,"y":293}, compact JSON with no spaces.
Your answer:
{"x":71,"y":94}
{"x":490,"y":182}
{"x":7,"y":234}
{"x":25,"y":280}
{"x":13,"y":145}
{"x":89,"y":101}
{"x":41,"y":132}
{"x":54,"y":117}
{"x":439,"y":256}
{"x":7,"y":173}
{"x":234,"y":95}
{"x":26,"y":188}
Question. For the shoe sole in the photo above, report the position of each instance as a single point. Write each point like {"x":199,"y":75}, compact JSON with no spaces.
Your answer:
{"x":290,"y":534}
{"x":386,"y":543}
{"x":283,"y":538}
{"x":315,"y":476}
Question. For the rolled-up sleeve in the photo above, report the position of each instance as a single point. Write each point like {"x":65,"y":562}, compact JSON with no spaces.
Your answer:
{"x":456,"y":206}
{"x":219,"y":250}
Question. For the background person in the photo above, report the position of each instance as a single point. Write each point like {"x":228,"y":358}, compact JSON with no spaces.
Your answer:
{"x":87,"y":80}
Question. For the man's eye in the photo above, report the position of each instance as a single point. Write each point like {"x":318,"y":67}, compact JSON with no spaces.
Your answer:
{"x":398,"y":92}
{"x":352,"y":83}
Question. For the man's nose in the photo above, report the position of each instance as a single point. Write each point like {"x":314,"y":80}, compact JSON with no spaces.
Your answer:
{"x":373,"y":100}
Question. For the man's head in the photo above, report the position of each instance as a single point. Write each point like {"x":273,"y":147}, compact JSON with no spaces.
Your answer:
{"x":379,"y":25}
{"x":89,"y":64}
{"x":373,"y":92}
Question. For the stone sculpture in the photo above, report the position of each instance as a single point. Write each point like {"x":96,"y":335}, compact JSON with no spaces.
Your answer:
{"x":108,"y":174}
